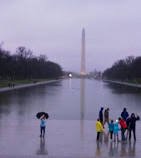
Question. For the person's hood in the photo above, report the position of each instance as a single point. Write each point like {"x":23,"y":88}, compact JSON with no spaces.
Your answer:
{"x":132,"y":114}
{"x":121,"y":120}
{"x":116,"y":124}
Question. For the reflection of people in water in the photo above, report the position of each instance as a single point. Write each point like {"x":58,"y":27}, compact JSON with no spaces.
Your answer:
{"x":113,"y":150}
{"x":123,"y":152}
{"x":98,"y":149}
{"x":126,"y":150}
{"x":111,"y":154}
{"x":42,"y":150}
{"x":106,"y":137}
{"x":131,"y":149}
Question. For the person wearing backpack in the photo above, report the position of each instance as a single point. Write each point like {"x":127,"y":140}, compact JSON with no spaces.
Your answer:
{"x":123,"y":127}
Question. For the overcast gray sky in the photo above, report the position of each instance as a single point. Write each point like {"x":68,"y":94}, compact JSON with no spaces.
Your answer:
{"x":54,"y":27}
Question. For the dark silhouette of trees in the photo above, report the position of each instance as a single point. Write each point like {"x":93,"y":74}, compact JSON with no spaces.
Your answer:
{"x":128,"y":69}
{"x":23,"y":65}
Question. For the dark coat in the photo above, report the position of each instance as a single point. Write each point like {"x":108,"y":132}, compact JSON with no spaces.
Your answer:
{"x":132,"y":122}
{"x":124,"y":115}
{"x":101,"y":114}
{"x":106,"y":114}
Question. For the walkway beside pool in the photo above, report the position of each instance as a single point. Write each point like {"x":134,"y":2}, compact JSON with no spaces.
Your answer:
{"x":124,"y":83}
{"x":26,"y":85}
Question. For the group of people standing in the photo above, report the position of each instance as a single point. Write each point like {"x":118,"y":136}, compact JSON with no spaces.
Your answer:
{"x":126,"y":124}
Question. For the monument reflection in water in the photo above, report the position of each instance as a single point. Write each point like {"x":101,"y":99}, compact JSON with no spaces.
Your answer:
{"x":82,"y":106}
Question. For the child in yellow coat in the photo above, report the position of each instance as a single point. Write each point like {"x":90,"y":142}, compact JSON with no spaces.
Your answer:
{"x":99,"y":128}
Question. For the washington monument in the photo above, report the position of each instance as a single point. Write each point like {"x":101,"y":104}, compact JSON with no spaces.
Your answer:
{"x":83,"y":53}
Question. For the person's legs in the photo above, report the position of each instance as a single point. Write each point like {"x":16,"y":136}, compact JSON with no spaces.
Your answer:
{"x":111,"y":135}
{"x":104,"y":122}
{"x":43,"y":131}
{"x":122,"y":134}
{"x":101,"y":120}
{"x":40,"y":131}
{"x":130,"y":133}
{"x":108,"y":121}
{"x":98,"y":134}
{"x":101,"y":136}
{"x":114,"y":137}
{"x":117,"y":138}
{"x":127,"y":133}
{"x":134,"y":132}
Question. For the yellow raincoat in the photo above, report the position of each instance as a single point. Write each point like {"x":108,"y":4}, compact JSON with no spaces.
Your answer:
{"x":99,"y":126}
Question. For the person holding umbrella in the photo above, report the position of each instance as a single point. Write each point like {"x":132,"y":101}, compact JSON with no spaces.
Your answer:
{"x":43,"y":125}
{"x":42,"y":116}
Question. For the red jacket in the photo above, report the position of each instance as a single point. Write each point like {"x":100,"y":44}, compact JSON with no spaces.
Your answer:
{"x":123,"y":124}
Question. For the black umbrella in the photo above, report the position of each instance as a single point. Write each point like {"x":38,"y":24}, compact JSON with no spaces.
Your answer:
{"x":39,"y":114}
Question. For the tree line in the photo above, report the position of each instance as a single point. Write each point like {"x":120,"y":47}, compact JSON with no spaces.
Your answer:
{"x":24,"y":65}
{"x":127,"y":69}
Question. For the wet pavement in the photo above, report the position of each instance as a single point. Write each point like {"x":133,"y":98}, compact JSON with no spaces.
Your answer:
{"x":73,"y":107}
{"x":64,"y":138}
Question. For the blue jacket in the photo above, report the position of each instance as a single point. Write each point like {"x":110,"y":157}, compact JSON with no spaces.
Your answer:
{"x":43,"y":122}
{"x":116,"y":128}
{"x":124,"y":115}
{"x":111,"y":127}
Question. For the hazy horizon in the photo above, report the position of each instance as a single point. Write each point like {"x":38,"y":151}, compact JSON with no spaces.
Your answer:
{"x":54,"y":28}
